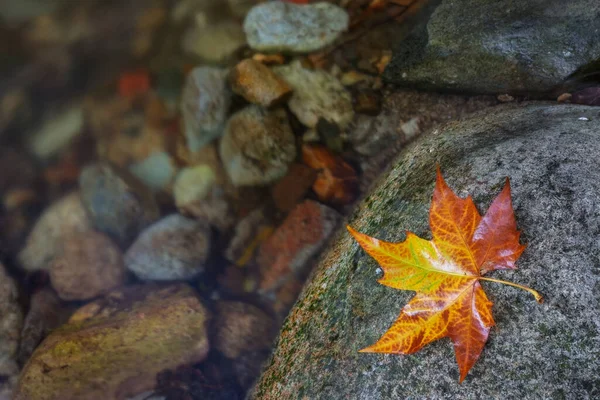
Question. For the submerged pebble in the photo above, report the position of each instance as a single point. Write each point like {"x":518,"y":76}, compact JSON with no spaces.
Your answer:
{"x":114,"y":347}
{"x":258,"y":84}
{"x":279,"y":26}
{"x":258,"y":146}
{"x":65,"y":217}
{"x":173,"y":248}
{"x":317,"y":94}
{"x":117,"y":202}
{"x":90,"y":265}
{"x":204,"y":105}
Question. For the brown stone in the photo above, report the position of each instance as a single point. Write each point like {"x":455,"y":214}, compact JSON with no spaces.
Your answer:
{"x":90,"y":265}
{"x":240,"y":328}
{"x":292,"y":188}
{"x":258,"y":84}
{"x":112,"y":348}
{"x":300,"y":237}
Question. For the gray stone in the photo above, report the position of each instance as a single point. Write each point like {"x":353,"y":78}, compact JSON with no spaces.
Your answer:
{"x":174,"y":248}
{"x":317,"y":94}
{"x":204,"y":105}
{"x":258,"y":146}
{"x":65,"y":217}
{"x":550,"y":152}
{"x":11,"y":320}
{"x":499,"y":46}
{"x":279,"y":26}
{"x":117,"y":202}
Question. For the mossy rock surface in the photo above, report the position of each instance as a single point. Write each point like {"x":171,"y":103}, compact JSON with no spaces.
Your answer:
{"x":550,"y":152}
{"x":499,"y":46}
{"x":114,"y":347}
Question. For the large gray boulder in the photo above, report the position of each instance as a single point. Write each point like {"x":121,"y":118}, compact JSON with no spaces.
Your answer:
{"x":499,"y":46}
{"x":549,"y":351}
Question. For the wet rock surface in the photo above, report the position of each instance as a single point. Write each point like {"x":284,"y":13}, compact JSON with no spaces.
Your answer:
{"x":405,"y":115}
{"x":114,"y":347}
{"x":281,"y":26}
{"x":117,"y":202}
{"x":11,"y":320}
{"x":173,"y":248}
{"x":545,"y":351}
{"x":90,"y":265}
{"x":489,"y":46}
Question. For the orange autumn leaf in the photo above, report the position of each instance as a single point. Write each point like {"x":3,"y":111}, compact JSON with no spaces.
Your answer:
{"x":445,"y":272}
{"x":336,"y":181}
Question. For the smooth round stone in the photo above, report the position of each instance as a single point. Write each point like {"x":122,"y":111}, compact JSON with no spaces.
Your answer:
{"x":257,"y":147}
{"x":116,"y":201}
{"x":63,"y":218}
{"x":317,"y":95}
{"x":278,"y":26}
{"x":89,"y":265}
{"x":174,"y":248}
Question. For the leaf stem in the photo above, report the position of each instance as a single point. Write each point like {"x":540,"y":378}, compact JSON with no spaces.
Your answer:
{"x":538,"y":297}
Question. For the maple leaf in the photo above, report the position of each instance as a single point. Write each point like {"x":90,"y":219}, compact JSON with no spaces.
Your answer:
{"x":445,"y":272}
